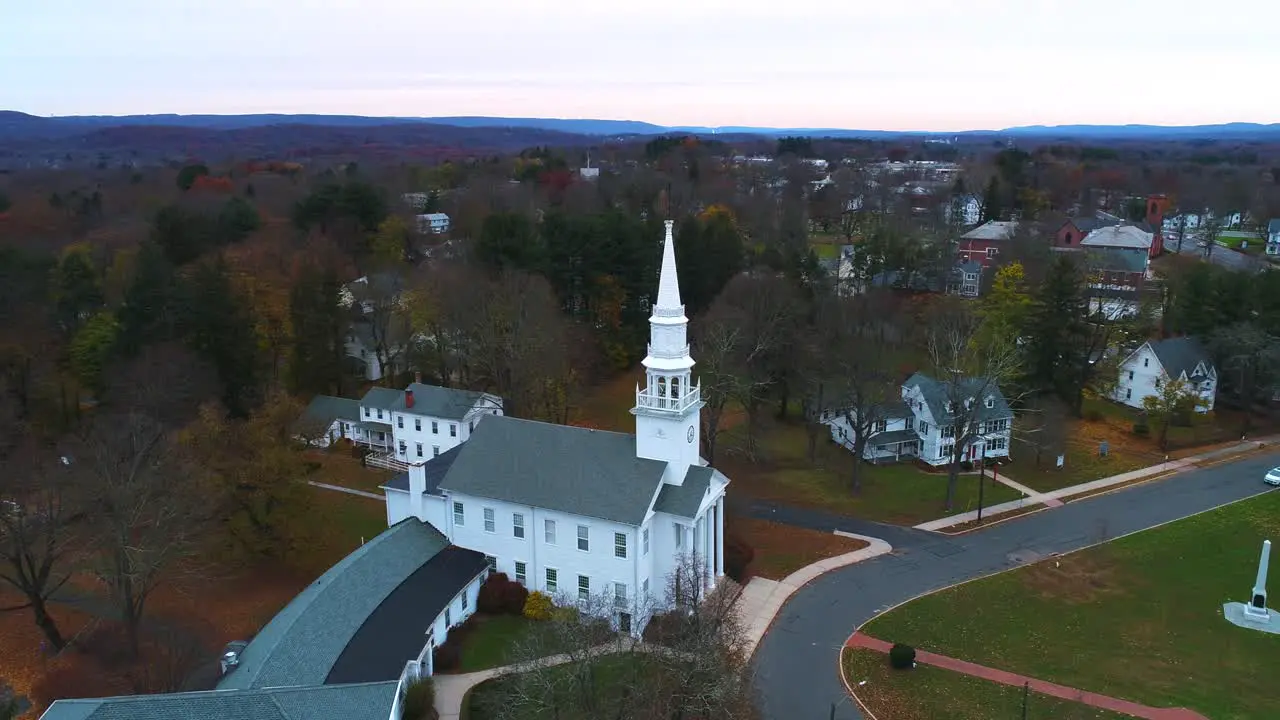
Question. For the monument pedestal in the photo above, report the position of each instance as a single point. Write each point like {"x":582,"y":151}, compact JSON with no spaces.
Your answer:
{"x":1254,"y":614}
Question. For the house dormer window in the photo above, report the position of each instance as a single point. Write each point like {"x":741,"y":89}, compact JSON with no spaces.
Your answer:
{"x":949,"y":406}
{"x":991,"y":402}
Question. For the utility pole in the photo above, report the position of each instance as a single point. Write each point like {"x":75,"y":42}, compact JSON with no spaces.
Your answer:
{"x":1026,"y":696}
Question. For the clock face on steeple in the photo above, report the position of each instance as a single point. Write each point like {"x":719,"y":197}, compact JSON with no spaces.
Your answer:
{"x":689,"y":435}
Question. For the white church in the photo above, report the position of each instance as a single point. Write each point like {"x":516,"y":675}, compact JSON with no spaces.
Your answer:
{"x":577,"y":512}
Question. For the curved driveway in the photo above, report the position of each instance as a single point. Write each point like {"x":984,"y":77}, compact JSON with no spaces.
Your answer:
{"x":796,"y":662}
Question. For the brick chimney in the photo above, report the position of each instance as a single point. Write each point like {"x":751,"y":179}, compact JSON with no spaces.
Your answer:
{"x":417,"y":377}
{"x":408,"y":398}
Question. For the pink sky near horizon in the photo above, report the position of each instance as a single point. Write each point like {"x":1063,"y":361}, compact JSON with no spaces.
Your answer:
{"x":923,"y":65}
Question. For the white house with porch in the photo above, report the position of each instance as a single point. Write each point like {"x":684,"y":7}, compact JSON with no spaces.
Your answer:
{"x":400,"y":426}
{"x":924,"y":424}
{"x":578,"y":512}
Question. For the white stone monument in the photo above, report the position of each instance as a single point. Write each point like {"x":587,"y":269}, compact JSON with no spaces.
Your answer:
{"x":1255,"y":614}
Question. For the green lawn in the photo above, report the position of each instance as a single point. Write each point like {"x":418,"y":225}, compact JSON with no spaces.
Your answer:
{"x":897,"y":493}
{"x":1082,"y":464}
{"x":489,"y":644}
{"x":1139,"y":618}
{"x":481,"y":700}
{"x":928,"y":693}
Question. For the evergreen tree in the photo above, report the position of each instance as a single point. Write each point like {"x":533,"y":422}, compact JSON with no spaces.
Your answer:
{"x":317,"y":356}
{"x":76,"y":288}
{"x":220,"y":329}
{"x":147,"y":313}
{"x":992,"y":204}
{"x":1058,"y":330}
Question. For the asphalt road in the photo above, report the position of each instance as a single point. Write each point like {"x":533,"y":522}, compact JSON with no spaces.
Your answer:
{"x":1223,"y":256}
{"x":797,"y":662}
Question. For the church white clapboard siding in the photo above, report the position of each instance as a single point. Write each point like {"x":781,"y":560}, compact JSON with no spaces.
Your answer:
{"x":579,"y":512}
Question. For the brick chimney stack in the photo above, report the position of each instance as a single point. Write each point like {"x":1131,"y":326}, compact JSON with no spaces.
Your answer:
{"x":408,"y":399}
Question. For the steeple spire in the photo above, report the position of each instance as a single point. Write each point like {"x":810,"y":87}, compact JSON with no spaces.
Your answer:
{"x":668,"y":282}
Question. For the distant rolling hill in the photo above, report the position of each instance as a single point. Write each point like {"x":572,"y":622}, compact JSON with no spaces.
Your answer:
{"x":154,"y":136}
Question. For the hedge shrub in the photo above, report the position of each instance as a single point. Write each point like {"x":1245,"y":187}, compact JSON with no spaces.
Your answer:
{"x":538,"y":606}
{"x":902,"y":657}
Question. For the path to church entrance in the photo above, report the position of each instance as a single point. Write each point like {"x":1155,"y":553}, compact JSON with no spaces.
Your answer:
{"x":797,"y":662}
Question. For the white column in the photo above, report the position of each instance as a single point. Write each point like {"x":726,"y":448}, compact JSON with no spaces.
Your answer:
{"x":720,"y":536}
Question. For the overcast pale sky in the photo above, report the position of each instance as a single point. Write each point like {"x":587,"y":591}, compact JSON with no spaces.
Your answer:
{"x":882,"y":64}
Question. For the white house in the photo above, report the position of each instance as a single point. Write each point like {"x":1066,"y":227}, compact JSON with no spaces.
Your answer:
{"x":924,"y":424}
{"x":578,"y":512}
{"x":964,"y":210}
{"x":1273,"y":237}
{"x":1145,"y":371}
{"x":433,"y":223}
{"x":402,"y":426}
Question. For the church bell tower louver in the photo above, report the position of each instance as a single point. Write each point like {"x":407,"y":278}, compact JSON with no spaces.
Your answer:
{"x":668,"y":407}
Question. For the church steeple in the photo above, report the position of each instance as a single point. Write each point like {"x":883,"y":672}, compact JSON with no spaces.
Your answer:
{"x":667,"y":407}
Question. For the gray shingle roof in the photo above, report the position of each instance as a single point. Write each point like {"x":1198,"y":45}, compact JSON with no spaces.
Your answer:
{"x":1118,"y":259}
{"x":381,"y":397}
{"x":992,"y":230}
{"x":1181,"y":354}
{"x":586,"y":472}
{"x":325,"y":409}
{"x":936,"y":394}
{"x":434,"y":469}
{"x":892,"y":436}
{"x":1119,"y":236}
{"x":301,"y":643}
{"x":684,"y":500}
{"x":428,"y":400}
{"x":364,"y":701}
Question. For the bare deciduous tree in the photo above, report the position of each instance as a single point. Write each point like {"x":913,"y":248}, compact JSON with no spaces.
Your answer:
{"x":150,"y":512}
{"x":860,"y":383}
{"x":38,"y":545}
{"x":576,"y":667}
{"x":967,"y":368}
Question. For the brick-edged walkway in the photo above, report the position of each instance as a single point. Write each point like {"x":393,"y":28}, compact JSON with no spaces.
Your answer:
{"x":1105,"y":702}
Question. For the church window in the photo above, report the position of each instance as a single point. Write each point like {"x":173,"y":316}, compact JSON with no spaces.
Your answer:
{"x":403,"y":450}
{"x":679,"y":535}
{"x":675,"y":387}
{"x":464,"y":599}
{"x":366,"y":412}
{"x":453,"y":430}
{"x":620,"y":545}
{"x":400,"y":421}
{"x":644,"y":535}
{"x":644,"y":589}
{"x":584,"y":588}
{"x":521,"y":569}
{"x":435,"y":450}
{"x":549,"y":531}
{"x":662,"y":387}
{"x":619,"y":595}
{"x":552,"y":578}
{"x":419,"y":448}
{"x":448,"y":617}
{"x":459,"y":514}
{"x":584,"y":538}
{"x":492,"y":562}
{"x":517,"y":524}
{"x":489,"y":524}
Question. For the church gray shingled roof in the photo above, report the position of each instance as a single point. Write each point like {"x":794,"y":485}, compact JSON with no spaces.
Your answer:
{"x":362,"y":701}
{"x":593,"y":473}
{"x":685,"y":499}
{"x":936,"y":394}
{"x":303,"y":641}
{"x":1181,"y":354}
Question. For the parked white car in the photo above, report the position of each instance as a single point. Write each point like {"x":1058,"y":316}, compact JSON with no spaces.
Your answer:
{"x":1272,"y":477}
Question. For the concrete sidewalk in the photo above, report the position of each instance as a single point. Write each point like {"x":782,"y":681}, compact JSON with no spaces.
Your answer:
{"x":1054,"y":498}
{"x":762,"y":598}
